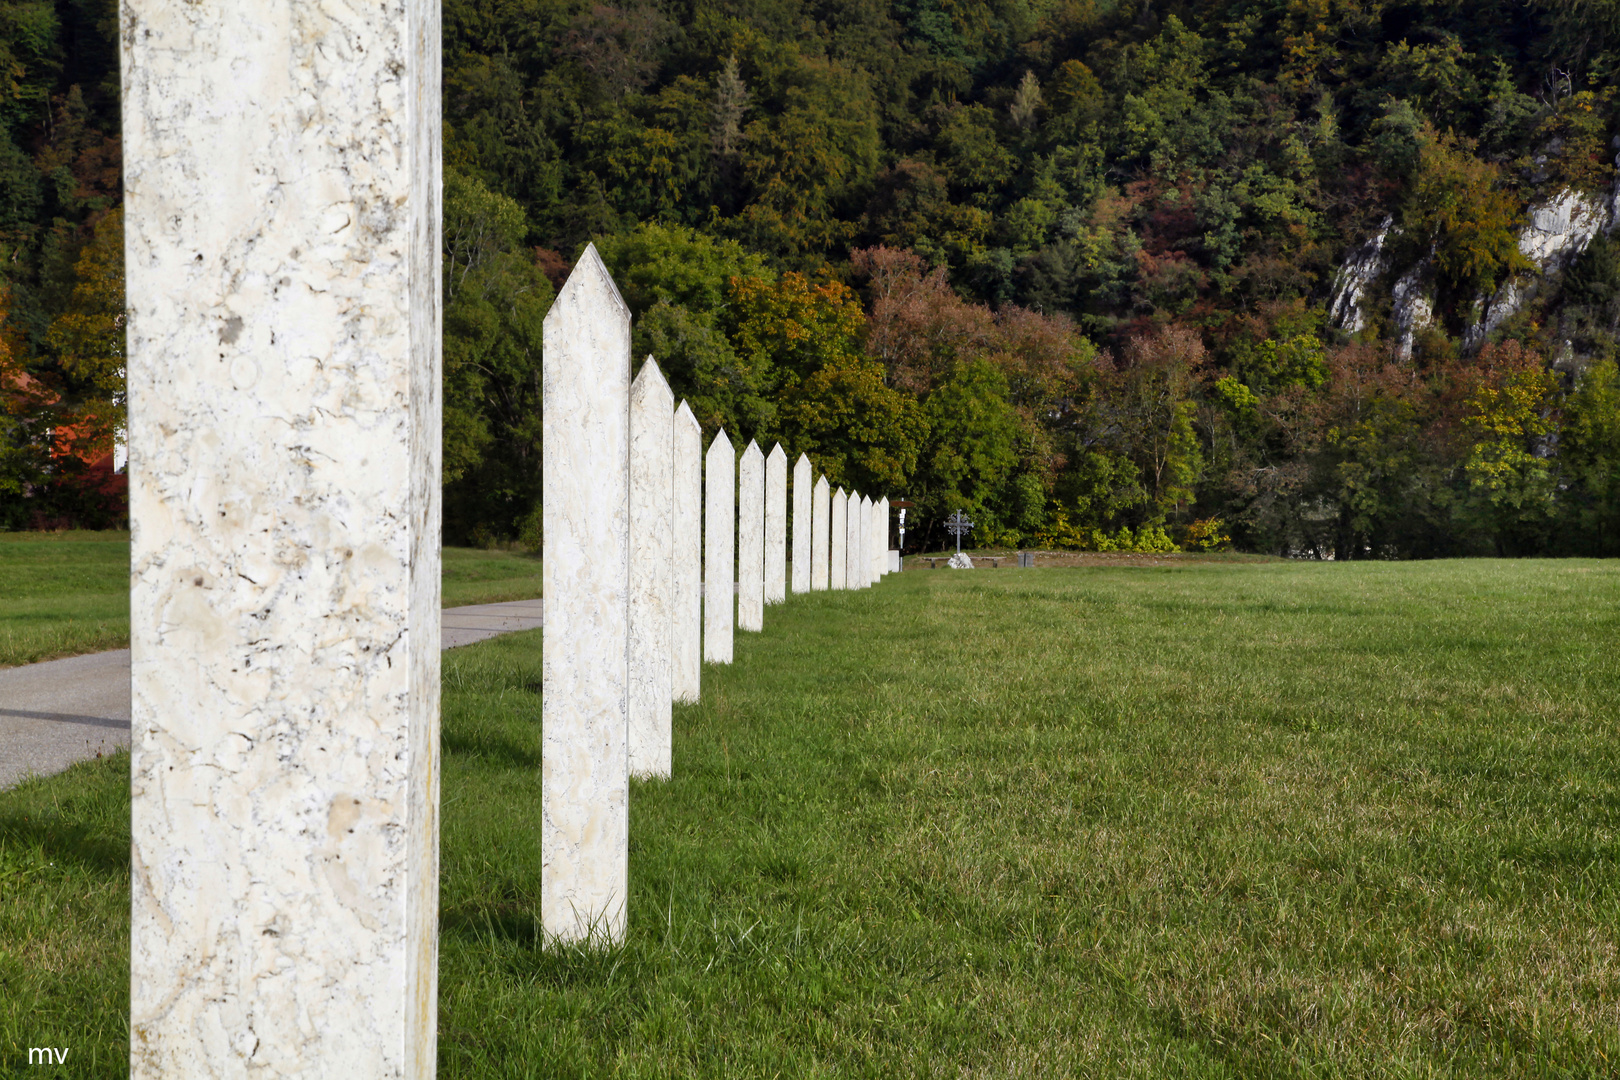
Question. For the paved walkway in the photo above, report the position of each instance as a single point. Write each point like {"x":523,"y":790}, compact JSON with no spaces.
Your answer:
{"x":62,"y":711}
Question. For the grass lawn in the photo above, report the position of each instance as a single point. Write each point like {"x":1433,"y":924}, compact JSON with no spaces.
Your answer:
{"x":1204,"y":820}
{"x":62,"y":594}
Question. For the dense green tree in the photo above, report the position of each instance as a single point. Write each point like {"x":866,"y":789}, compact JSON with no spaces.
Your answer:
{"x":1095,"y":245}
{"x":496,"y":302}
{"x":1589,"y":450}
{"x":971,"y":457}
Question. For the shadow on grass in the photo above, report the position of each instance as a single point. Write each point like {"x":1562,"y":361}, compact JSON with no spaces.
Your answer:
{"x":65,"y":841}
{"x":514,"y":932}
{"x":492,"y":749}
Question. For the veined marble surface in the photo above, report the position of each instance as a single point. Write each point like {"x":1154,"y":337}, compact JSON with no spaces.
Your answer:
{"x":751,"y":540}
{"x":281,"y":172}
{"x":719,"y":550}
{"x":686,"y":570}
{"x":776,"y":526}
{"x":838,"y":564}
{"x":585,"y":576}
{"x":801,"y":524}
{"x":821,"y":538}
{"x":652,"y":475}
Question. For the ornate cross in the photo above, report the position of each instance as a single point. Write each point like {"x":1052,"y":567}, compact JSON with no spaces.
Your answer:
{"x":958,"y":526}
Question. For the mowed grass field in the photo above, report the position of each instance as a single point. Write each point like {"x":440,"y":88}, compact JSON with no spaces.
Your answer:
{"x":62,"y":594}
{"x":1205,"y":820}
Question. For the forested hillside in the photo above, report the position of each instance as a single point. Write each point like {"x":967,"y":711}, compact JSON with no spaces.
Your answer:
{"x":1327,"y":277}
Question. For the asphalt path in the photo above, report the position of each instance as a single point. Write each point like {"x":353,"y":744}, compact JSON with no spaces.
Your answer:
{"x":64,"y":711}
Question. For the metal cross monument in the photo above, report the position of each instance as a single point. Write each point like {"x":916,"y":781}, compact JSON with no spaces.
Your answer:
{"x":958,"y":526}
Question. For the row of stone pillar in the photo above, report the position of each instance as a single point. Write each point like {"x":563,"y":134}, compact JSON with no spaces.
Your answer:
{"x":628,"y":615}
{"x":677,"y":616}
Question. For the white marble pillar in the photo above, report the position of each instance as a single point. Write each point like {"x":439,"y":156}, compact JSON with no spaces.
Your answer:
{"x":864,"y":543}
{"x":873,"y":570}
{"x":802,"y":518}
{"x":881,"y":536}
{"x":857,"y":546}
{"x":652,"y":476}
{"x":776,"y":526}
{"x":852,"y":529}
{"x":821,"y":535}
{"x":686,"y":563}
{"x":868,"y":573}
{"x":282,"y":257}
{"x":751,"y":540}
{"x":838,"y":564}
{"x":719,"y":548}
{"x":585,"y":577}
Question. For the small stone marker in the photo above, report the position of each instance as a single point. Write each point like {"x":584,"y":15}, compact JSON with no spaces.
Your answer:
{"x":585,"y":578}
{"x":686,"y":569}
{"x":652,"y":475}
{"x":802,"y":519}
{"x":282,"y":198}
{"x":719,"y":548}
{"x":821,"y":536}
{"x":838,"y":564}
{"x":776,"y":526}
{"x":751,"y":540}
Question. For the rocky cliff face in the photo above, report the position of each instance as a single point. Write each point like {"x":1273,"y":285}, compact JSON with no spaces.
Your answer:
{"x":1363,"y":266}
{"x":1558,"y":231}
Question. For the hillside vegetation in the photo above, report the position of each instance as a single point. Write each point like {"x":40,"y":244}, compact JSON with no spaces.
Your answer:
{"x":1069,"y":266}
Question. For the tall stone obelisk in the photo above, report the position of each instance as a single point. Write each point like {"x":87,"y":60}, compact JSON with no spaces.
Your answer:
{"x":821,"y":540}
{"x":719,"y":548}
{"x":652,"y":494}
{"x":281,"y":179}
{"x":838,"y":565}
{"x":802,"y":518}
{"x":585,"y":576}
{"x":686,"y":571}
{"x":751,"y":540}
{"x":881,"y":536}
{"x":861,"y":544}
{"x":852,"y":542}
{"x":776,"y":526}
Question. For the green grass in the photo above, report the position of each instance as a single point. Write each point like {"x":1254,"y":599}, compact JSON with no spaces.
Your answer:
{"x":1206,"y":820}
{"x":474,"y":576}
{"x":62,"y":594}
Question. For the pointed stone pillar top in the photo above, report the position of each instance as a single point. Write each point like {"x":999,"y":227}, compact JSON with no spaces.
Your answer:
{"x":650,"y":376}
{"x":588,"y":272}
